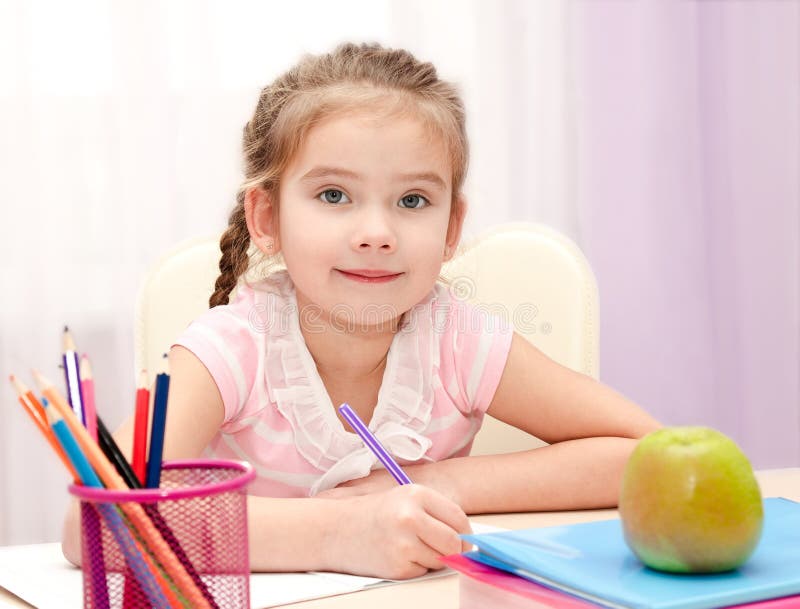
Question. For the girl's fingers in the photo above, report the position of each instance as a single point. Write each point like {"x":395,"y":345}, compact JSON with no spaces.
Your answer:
{"x":440,"y":521}
{"x":436,"y":539}
{"x":444,"y":510}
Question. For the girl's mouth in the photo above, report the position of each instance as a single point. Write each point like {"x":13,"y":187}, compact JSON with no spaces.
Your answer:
{"x":369,"y":275}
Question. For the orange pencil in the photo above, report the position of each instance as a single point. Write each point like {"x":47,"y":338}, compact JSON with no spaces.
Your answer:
{"x":36,"y":411}
{"x":141,"y":522}
{"x":139,"y":461}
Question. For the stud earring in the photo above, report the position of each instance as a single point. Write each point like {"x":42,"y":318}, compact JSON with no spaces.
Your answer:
{"x":268,"y":245}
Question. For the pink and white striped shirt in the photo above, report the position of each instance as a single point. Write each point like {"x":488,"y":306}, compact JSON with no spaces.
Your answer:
{"x":442,"y":370}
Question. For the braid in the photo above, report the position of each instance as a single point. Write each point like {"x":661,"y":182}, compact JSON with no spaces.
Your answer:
{"x":234,"y":261}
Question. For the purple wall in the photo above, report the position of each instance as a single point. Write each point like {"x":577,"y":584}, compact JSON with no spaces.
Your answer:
{"x":688,"y":159}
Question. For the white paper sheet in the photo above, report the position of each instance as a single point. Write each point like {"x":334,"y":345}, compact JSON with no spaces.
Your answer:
{"x":41,"y":576}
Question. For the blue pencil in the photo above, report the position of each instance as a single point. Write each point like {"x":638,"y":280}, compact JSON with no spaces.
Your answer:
{"x":372,"y":443}
{"x":153,"y":478}
{"x":113,"y":519}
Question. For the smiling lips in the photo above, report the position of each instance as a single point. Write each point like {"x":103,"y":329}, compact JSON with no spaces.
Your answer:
{"x":369,"y":275}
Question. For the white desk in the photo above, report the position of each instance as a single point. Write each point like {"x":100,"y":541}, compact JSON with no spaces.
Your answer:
{"x":443,"y":592}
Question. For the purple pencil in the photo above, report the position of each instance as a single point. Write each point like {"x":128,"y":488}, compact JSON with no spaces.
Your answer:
{"x":71,"y":372}
{"x":372,"y":443}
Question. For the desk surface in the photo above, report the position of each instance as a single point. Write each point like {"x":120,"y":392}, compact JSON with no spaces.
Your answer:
{"x":443,"y":592}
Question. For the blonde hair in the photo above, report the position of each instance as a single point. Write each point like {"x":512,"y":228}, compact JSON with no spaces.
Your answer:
{"x":350,"y":77}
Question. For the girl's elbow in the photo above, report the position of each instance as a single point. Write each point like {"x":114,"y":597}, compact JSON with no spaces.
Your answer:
{"x":71,"y":535}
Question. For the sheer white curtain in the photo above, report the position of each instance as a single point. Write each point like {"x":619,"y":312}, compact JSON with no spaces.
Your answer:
{"x":119,"y":136}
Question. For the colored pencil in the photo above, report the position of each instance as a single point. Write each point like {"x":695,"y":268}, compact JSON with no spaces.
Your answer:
{"x":113,"y":453}
{"x":373,"y":444}
{"x":86,"y":474}
{"x":70,"y":358}
{"x":134,"y":512}
{"x":137,"y":522}
{"x":36,"y":411}
{"x":90,"y":520}
{"x":87,"y":391}
{"x":132,"y":589}
{"x":140,"y":428}
{"x":155,"y":453}
{"x":137,"y":560}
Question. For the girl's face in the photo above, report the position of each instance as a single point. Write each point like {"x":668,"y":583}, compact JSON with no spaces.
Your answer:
{"x":363,"y":221}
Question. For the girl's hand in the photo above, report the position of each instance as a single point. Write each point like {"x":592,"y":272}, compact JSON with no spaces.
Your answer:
{"x":398,"y":533}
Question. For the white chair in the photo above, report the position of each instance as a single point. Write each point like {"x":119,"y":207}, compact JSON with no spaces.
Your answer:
{"x":530,"y":273}
{"x":542,"y":282}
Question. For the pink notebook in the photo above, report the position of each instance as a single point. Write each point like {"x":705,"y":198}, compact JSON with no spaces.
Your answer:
{"x":483,"y":586}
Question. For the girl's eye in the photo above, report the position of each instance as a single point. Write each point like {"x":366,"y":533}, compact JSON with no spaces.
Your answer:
{"x":414,"y":202}
{"x":333,"y":196}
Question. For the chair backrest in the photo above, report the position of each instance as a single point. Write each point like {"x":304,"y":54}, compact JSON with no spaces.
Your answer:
{"x":540,"y":281}
{"x":531,"y":274}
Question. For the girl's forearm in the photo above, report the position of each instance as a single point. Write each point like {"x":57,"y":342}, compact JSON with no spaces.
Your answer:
{"x":291,"y":534}
{"x":570,"y":475}
{"x":284,"y":534}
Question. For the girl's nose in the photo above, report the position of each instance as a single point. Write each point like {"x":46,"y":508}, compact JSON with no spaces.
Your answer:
{"x":374,"y":231}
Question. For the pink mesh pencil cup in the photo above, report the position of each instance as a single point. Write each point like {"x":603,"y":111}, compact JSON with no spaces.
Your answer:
{"x":182,"y":545}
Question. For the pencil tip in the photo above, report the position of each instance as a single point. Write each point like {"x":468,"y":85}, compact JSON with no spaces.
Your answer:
{"x":84,"y":368}
{"x":163,"y":365}
{"x":18,"y":385}
{"x":51,"y":414}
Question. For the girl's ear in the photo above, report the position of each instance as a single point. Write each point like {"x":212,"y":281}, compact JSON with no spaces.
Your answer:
{"x":455,"y":226}
{"x":262,"y":220}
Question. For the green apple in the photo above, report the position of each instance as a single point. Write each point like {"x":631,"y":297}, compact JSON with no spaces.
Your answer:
{"x":690,"y":502}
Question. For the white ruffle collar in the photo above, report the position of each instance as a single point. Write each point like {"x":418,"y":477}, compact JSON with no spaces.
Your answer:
{"x":405,"y":399}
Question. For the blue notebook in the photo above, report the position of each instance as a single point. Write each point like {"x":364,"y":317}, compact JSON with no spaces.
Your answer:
{"x":592,"y":561}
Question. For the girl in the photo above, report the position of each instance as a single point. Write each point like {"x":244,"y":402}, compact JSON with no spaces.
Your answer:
{"x":354,"y":164}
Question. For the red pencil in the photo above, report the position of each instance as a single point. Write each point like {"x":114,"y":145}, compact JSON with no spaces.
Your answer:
{"x":87,"y":390}
{"x":140,"y":428}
